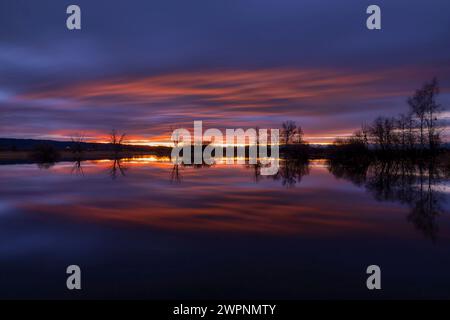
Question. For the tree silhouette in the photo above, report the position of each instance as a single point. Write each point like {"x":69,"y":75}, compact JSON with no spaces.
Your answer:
{"x":117,"y":140}
{"x":288,"y":130}
{"x":425,"y":108}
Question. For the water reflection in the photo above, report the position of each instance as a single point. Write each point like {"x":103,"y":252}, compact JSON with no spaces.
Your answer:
{"x":419,"y":185}
{"x":116,"y":168}
{"x":77,"y":168}
{"x":165,"y":231}
{"x":175,"y":175}
{"x":237,"y":197}
{"x":291,"y":172}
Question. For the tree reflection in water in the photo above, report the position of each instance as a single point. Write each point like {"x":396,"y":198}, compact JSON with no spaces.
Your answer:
{"x":77,"y":168}
{"x":415,"y":184}
{"x":412,"y":183}
{"x":116,"y":168}
{"x":176,"y":175}
{"x":290,"y":172}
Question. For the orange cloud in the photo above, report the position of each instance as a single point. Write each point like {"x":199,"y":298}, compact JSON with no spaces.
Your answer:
{"x":255,"y":88}
{"x":150,"y":105}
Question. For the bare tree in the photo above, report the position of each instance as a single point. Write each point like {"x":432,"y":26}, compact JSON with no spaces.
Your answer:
{"x":298,"y":135}
{"x":358,"y":138}
{"x":78,"y":141}
{"x":411,"y":137}
{"x":365,"y":130}
{"x":401,"y":123}
{"x":417,"y":129}
{"x":354,"y":146}
{"x":405,"y":132}
{"x":377,"y":133}
{"x":424,"y":107}
{"x":417,"y":106}
{"x":382,"y":133}
{"x":116,"y":140}
{"x":288,"y":130}
{"x":432,"y":110}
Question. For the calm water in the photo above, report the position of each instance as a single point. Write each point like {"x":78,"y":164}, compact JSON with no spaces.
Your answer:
{"x":141,"y":228}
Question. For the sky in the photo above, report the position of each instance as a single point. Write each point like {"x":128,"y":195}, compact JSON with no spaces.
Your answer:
{"x":147,"y":67}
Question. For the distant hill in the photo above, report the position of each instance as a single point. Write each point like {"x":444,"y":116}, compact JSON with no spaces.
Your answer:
{"x":7,"y":144}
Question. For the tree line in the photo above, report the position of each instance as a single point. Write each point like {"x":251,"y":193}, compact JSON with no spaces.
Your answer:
{"x":417,"y":130}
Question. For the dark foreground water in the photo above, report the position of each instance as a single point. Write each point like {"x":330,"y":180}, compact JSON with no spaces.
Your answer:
{"x":143,"y":228}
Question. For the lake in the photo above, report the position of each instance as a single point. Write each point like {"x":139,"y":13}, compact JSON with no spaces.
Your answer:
{"x":144,"y":228}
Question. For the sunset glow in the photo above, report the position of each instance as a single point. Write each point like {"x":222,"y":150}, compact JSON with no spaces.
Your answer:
{"x":147,"y":108}
{"x":221,"y":159}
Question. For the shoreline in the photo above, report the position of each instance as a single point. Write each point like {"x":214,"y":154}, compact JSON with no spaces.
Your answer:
{"x":24,"y":157}
{"x":27,"y":157}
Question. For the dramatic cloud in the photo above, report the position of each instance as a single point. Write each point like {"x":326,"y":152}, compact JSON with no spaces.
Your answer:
{"x":146,"y":67}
